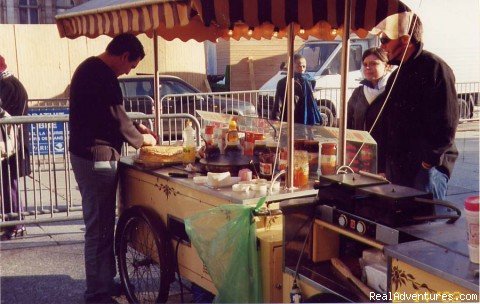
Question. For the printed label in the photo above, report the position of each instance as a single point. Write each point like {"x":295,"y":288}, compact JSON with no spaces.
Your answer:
{"x":266,"y":168}
{"x":329,"y":159}
{"x":472,"y":234}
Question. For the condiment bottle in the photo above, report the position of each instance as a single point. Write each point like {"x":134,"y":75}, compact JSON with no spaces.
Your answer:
{"x":212,"y":151}
{"x":209,"y":134}
{"x":233,"y":147}
{"x":248,"y":144}
{"x":328,"y":159}
{"x":471,"y":213}
{"x":259,"y":147}
{"x":189,"y":143}
{"x":232,"y":134}
{"x":301,"y":169}
{"x":267,"y":159}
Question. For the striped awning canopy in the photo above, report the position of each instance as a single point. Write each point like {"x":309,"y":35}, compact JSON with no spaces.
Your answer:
{"x":112,"y":17}
{"x":229,"y":19}
{"x":322,"y":19}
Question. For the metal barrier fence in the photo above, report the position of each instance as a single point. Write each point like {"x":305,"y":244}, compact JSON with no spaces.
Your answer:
{"x":260,"y":103}
{"x":50,"y":192}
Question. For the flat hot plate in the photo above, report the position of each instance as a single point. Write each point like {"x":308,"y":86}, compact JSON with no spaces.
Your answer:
{"x":392,"y":191}
{"x":353,"y":180}
{"x":224,"y":164}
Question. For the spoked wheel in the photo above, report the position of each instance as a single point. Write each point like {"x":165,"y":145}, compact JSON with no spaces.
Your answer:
{"x":143,"y":257}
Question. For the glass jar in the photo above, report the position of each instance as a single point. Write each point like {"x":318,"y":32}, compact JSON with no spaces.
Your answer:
{"x":233,"y":150}
{"x":312,"y":147}
{"x":328,"y":158}
{"x":300,"y":170}
{"x":266,"y":165}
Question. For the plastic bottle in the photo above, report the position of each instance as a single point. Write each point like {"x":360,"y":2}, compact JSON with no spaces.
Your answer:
{"x":212,"y":151}
{"x":189,"y":143}
{"x":471,"y":213}
{"x":232,"y":135}
{"x":233,"y":147}
{"x":295,"y":293}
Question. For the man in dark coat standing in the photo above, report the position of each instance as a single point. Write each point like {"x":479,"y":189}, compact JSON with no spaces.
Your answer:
{"x":421,"y":115}
{"x":14,"y":101}
{"x":305,"y":108}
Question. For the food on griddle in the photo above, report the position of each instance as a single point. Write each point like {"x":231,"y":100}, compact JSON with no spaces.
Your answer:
{"x":161,"y":154}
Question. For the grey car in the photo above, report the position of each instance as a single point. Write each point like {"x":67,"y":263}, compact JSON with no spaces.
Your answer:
{"x":185,"y":99}
{"x":190,"y":101}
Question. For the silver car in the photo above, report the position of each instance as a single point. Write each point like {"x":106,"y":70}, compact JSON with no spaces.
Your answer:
{"x":191,"y":99}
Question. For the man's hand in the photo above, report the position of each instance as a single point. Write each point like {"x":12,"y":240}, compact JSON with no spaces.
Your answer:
{"x":426,"y":165}
{"x":145,"y":130}
{"x":149,"y":140}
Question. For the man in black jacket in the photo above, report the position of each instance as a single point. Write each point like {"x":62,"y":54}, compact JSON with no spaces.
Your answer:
{"x":99,"y":126}
{"x":305,"y":109}
{"x":420,"y":117}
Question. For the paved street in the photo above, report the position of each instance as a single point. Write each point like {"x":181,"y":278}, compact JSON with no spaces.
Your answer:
{"x":46,"y":266}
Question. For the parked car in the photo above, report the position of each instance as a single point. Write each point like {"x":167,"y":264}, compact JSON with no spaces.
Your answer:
{"x":133,"y":86}
{"x":187,"y":99}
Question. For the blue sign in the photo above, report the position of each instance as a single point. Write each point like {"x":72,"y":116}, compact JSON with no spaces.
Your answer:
{"x":47,"y":138}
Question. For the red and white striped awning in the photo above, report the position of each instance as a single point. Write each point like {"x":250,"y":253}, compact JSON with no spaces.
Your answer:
{"x":113,"y":17}
{"x":211,"y":19}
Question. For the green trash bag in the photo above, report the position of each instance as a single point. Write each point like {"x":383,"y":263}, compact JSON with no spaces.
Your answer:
{"x":225,"y":240}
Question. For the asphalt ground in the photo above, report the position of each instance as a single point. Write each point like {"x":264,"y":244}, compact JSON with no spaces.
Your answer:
{"x":46,"y":265}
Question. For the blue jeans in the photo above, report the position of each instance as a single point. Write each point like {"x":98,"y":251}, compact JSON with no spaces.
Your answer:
{"x":98,"y":190}
{"x":433,"y":181}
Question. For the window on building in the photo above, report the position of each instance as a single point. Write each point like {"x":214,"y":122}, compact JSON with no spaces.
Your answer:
{"x":28,"y":10}
{"x":63,"y":5}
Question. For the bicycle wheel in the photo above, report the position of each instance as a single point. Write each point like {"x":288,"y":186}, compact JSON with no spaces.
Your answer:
{"x":143,"y":258}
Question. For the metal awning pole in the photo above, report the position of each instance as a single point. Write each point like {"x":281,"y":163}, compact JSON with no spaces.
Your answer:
{"x":290,"y":99}
{"x":342,"y":140}
{"x":156,"y":91}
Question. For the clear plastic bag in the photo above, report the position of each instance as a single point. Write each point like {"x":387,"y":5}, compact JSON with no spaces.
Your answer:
{"x":225,"y":240}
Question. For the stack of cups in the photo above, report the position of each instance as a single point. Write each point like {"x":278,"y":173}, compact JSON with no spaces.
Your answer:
{"x":471,"y":212}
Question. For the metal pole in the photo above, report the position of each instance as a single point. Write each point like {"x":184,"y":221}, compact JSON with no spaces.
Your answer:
{"x":342,"y":141}
{"x":156,"y":91}
{"x":290,"y":102}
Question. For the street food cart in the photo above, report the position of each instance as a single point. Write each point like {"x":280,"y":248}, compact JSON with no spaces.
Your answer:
{"x":156,"y":199}
{"x":363,"y":227}
{"x":154,"y":204}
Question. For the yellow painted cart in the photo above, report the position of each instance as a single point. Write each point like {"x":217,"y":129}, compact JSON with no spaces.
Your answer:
{"x":151,"y":237}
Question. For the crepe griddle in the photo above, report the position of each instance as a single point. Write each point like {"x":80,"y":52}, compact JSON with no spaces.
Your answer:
{"x":226,"y":164}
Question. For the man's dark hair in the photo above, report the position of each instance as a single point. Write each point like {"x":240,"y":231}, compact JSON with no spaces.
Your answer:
{"x":377,"y":52}
{"x":297,"y":57}
{"x":416,"y":30}
{"x":126,"y":43}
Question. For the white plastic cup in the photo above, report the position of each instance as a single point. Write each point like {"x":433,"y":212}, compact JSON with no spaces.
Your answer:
{"x":471,"y":213}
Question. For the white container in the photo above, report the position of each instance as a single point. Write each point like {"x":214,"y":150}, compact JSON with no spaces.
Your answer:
{"x":471,"y":213}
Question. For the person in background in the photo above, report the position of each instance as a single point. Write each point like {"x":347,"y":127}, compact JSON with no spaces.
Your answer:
{"x":99,"y":126}
{"x":14,"y":101}
{"x":305,"y":106}
{"x":364,"y":98}
{"x":420,"y":116}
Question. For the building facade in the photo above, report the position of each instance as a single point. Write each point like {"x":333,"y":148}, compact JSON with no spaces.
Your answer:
{"x":33,"y":11}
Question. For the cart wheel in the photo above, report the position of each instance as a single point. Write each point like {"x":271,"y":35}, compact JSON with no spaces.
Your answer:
{"x":143,"y":256}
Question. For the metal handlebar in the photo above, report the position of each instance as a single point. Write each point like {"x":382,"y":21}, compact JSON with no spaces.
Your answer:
{"x":452,"y":218}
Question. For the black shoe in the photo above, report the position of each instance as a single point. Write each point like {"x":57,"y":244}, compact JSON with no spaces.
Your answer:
{"x":13,"y":232}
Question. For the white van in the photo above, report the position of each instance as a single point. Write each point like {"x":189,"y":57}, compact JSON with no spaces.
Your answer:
{"x":323,"y":63}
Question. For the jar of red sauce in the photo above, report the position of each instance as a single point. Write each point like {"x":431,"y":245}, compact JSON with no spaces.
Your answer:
{"x":328,"y":158}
